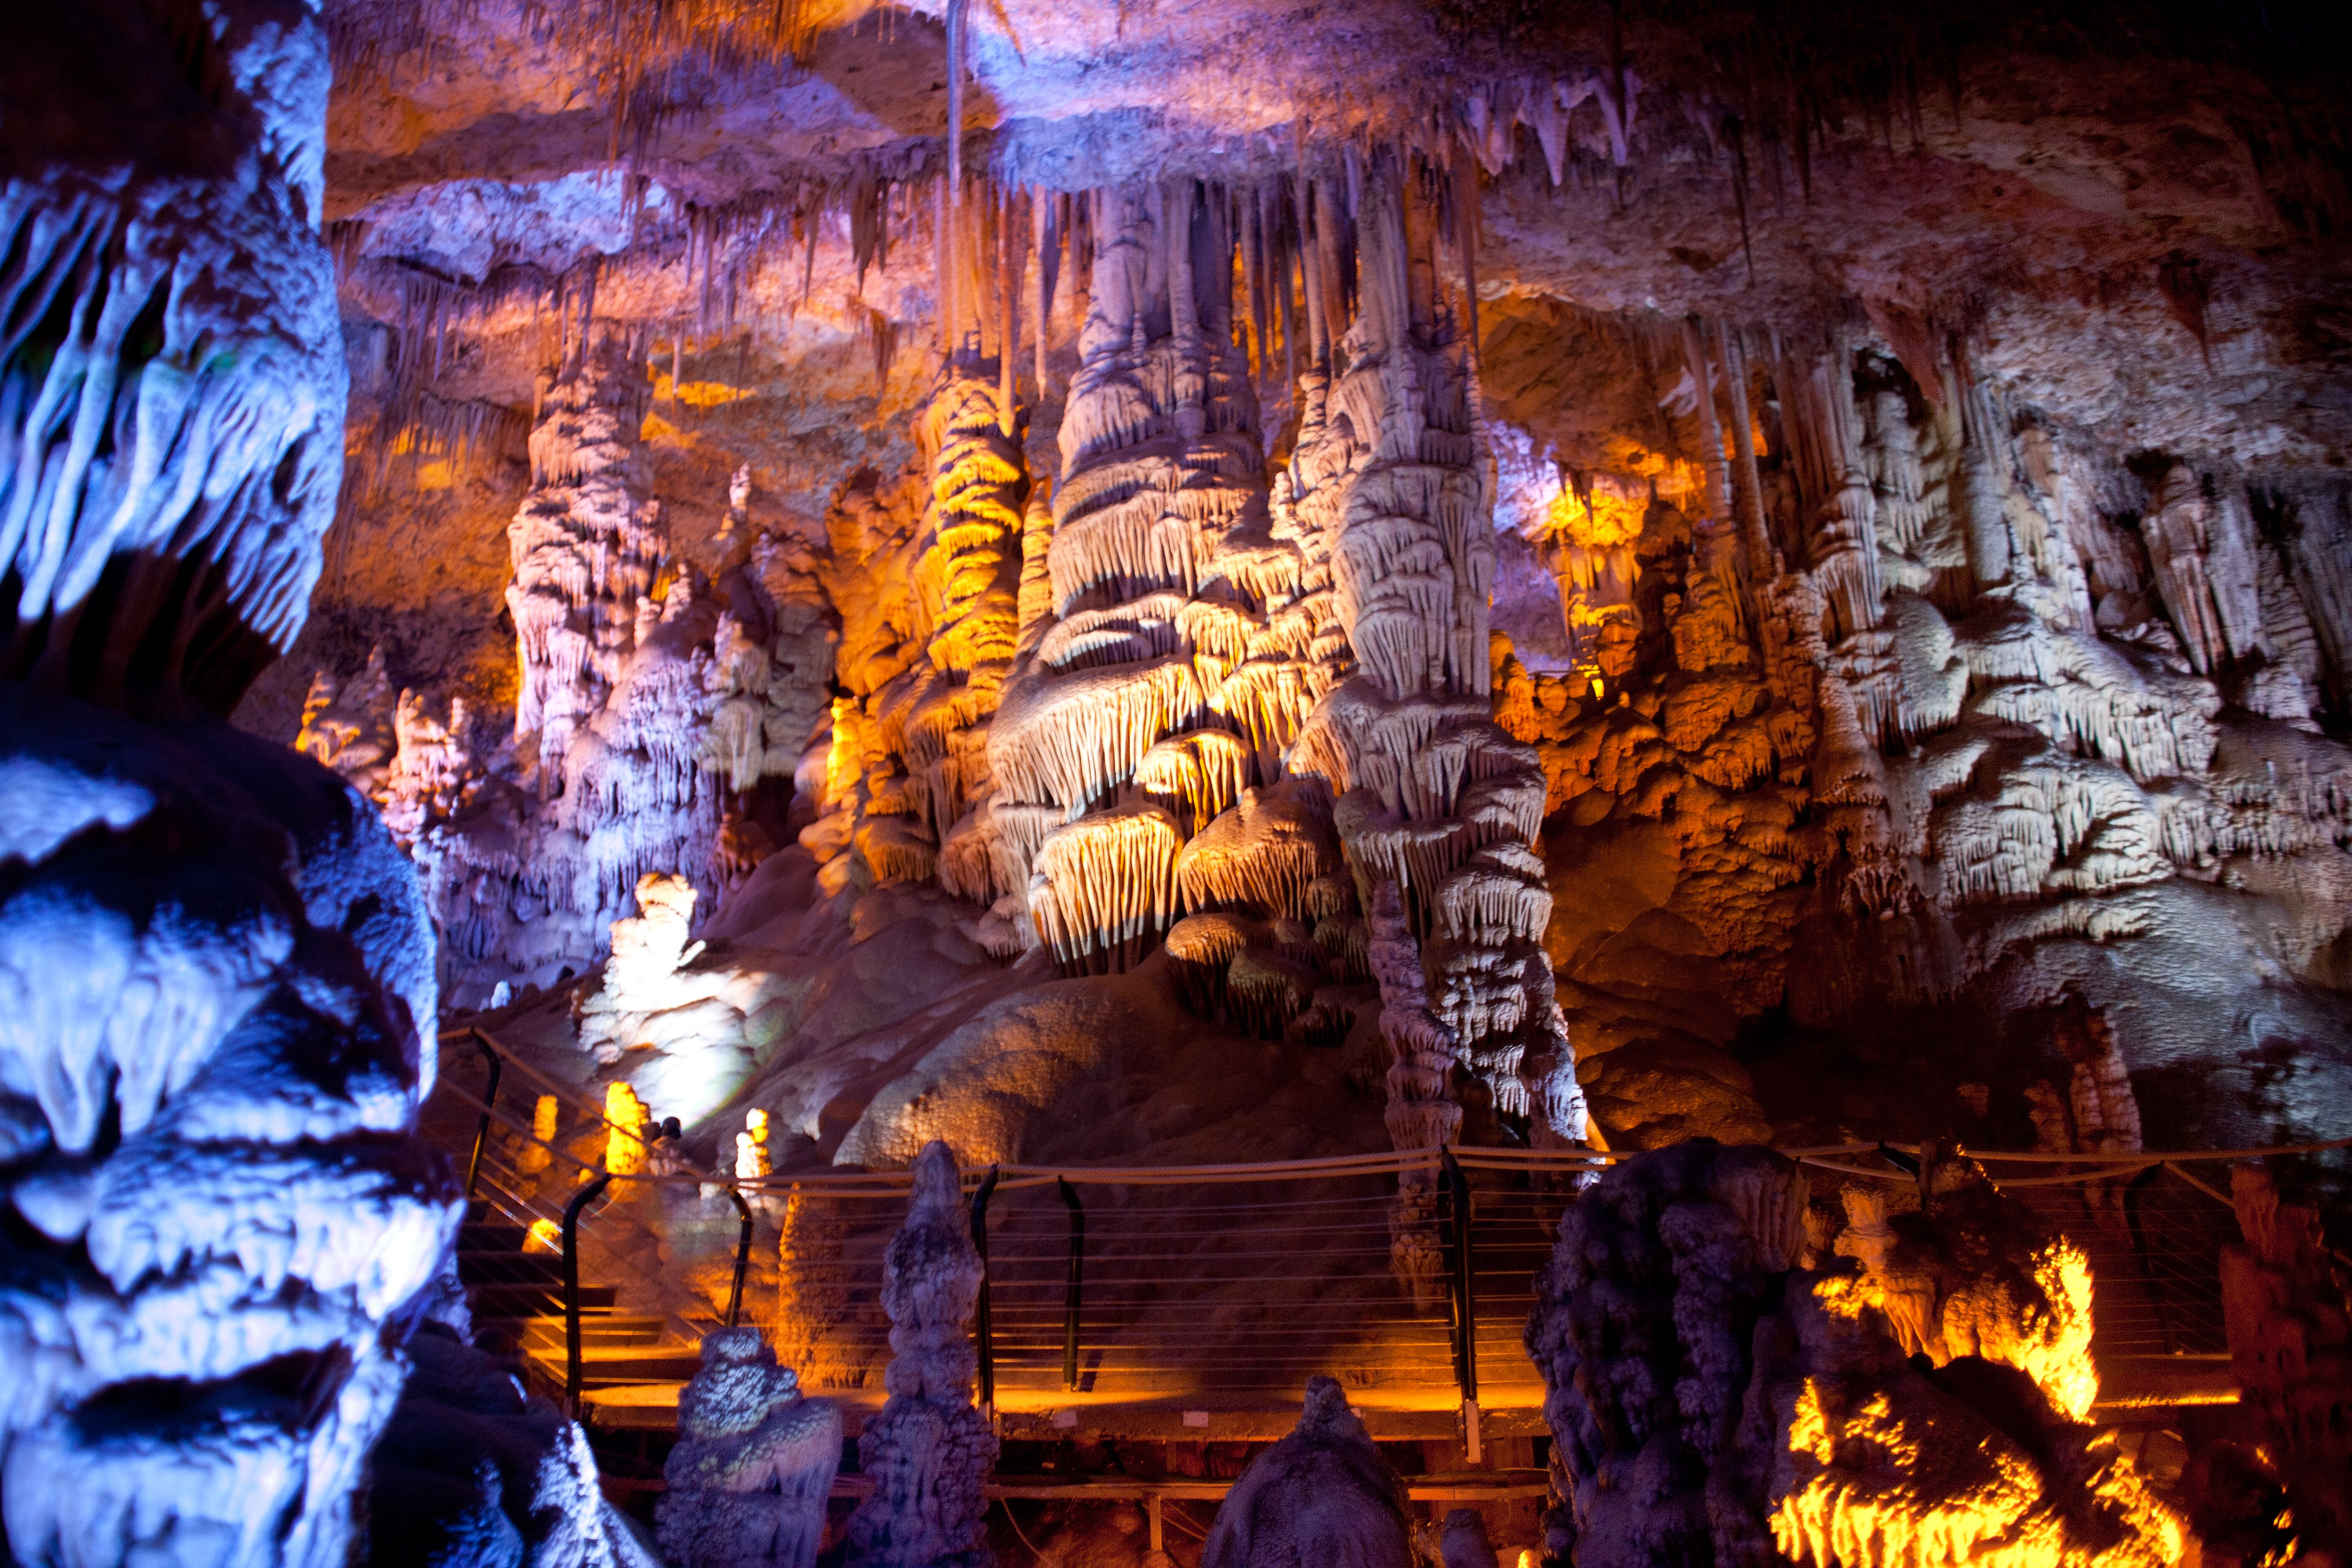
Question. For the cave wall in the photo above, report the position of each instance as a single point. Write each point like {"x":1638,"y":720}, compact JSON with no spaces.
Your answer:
{"x":1991,"y":679}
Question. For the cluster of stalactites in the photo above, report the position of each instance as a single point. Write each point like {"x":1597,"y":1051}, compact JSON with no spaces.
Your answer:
{"x":1170,"y":678}
{"x":967,"y":593}
{"x":172,"y":380}
{"x":586,"y":547}
{"x":1942,"y":576}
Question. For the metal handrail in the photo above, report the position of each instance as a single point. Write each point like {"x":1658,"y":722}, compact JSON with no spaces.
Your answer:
{"x":489,"y":1105}
{"x":743,"y":1260}
{"x":579,"y":1200}
{"x":1077,"y":1278}
{"x":1463,"y":1285}
{"x":983,"y":1327}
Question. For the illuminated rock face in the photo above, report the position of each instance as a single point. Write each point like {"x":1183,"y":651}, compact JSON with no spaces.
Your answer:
{"x":1713,"y":1400}
{"x":217,"y":998}
{"x":171,"y":372}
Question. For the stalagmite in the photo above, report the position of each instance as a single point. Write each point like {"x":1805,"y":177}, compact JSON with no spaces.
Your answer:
{"x":753,"y":1464}
{"x":347,"y":725}
{"x":1324,"y":1494}
{"x":1386,"y":481}
{"x":930,"y":1449}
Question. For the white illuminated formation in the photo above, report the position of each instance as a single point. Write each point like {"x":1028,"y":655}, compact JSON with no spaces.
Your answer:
{"x":207,"y":1222}
{"x":172,"y":384}
{"x":753,"y":1464}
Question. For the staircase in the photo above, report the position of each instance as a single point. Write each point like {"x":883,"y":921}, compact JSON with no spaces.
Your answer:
{"x":514,"y":1280}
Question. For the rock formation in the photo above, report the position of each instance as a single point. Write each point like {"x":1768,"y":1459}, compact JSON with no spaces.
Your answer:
{"x":1712,"y":1401}
{"x":931,"y":1449}
{"x":753,"y":1464}
{"x":2290,"y":1323}
{"x":1128,"y":729}
{"x":472,"y":1471}
{"x":1324,"y":1494}
{"x":217,"y":990}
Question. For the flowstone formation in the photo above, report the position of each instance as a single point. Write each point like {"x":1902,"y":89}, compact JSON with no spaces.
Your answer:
{"x":931,"y":1450}
{"x":1722,"y":1388}
{"x":1324,"y":1494}
{"x":1148,"y":704}
{"x":753,"y":1464}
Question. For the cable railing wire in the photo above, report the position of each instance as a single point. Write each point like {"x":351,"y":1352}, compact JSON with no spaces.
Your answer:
{"x":1175,"y":1279}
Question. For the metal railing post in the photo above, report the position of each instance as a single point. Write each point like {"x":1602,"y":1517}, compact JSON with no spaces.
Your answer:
{"x":489,"y":1103}
{"x":579,"y":1200}
{"x":984,"y":1330}
{"x":1077,"y":1275}
{"x":742,"y":1258}
{"x":1462,"y":1265}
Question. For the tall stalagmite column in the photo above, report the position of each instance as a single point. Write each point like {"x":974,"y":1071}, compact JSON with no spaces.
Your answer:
{"x":1439,"y":806}
{"x":585,"y":546}
{"x":216,"y":985}
{"x":931,"y":1450}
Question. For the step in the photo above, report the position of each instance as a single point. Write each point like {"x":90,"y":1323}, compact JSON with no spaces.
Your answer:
{"x":602,"y":1366}
{"x":498,"y":1301}
{"x":510,"y":1268}
{"x":483,"y":1235}
{"x":611,"y":1329}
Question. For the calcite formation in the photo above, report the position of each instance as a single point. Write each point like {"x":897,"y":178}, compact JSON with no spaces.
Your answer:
{"x":753,"y":1464}
{"x":1547,"y":573}
{"x":1323,"y":1494}
{"x":1712,"y":1399}
{"x":1129,"y":719}
{"x":929,"y":1450}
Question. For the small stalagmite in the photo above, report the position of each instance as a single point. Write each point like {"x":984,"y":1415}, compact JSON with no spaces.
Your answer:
{"x":753,"y":1466}
{"x":1323,"y":1495}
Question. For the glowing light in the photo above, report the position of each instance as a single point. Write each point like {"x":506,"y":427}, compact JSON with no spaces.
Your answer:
{"x":624,"y":1147}
{"x":545,"y":1235}
{"x":699,"y":394}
